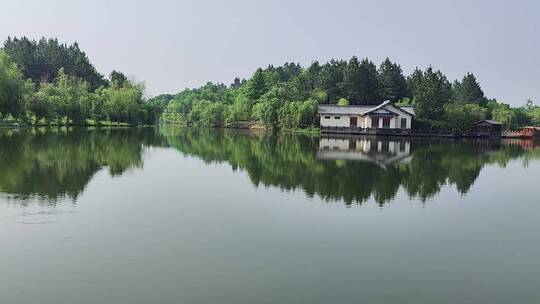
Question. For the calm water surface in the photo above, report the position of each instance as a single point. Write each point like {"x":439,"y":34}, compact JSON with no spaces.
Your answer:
{"x":180,"y":215}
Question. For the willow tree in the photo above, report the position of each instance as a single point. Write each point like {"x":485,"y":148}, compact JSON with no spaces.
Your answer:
{"x":12,"y":88}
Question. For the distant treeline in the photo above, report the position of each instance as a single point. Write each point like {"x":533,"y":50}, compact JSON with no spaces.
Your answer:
{"x":47,"y":82}
{"x":287,"y":97}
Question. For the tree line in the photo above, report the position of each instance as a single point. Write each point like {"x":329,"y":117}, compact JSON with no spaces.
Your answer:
{"x":287,"y":97}
{"x":47,"y":82}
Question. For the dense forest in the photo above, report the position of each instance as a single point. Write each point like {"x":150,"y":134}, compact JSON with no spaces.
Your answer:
{"x":46,"y":82}
{"x":287,"y":97}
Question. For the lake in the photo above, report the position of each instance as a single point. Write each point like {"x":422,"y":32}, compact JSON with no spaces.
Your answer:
{"x":187,"y":215}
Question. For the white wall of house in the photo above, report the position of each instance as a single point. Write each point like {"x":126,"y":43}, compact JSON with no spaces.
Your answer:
{"x":397,"y":120}
{"x":344,"y":120}
{"x":335,"y":120}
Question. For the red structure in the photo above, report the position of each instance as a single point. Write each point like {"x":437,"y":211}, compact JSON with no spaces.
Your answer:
{"x":531,"y":132}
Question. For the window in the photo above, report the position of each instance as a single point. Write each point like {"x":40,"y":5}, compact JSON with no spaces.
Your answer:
{"x":337,"y":117}
{"x":327,"y":117}
{"x":386,"y":122}
{"x":404,"y":123}
{"x":374,"y":122}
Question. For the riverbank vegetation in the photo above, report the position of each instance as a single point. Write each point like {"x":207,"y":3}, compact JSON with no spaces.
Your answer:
{"x":48,"y":83}
{"x":287,"y":96}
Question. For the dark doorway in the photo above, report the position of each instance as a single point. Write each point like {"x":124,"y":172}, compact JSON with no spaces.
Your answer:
{"x":374,"y":122}
{"x":404,"y":123}
{"x":386,"y":122}
{"x":354,"y":121}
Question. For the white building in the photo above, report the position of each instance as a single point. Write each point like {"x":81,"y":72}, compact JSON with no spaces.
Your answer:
{"x":384,"y":116}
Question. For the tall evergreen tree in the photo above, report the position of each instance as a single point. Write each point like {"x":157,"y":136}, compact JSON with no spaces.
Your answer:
{"x":331,"y":78}
{"x":41,"y":61}
{"x":368,"y":84}
{"x":431,"y":93}
{"x":237,"y":83}
{"x":392,"y":83}
{"x":351,"y":85}
{"x":257,"y":85}
{"x":468,"y":91}
{"x":313,"y":74}
{"x":118,"y":78}
{"x":288,"y":71}
{"x":360,"y":83}
{"x":414,"y":82}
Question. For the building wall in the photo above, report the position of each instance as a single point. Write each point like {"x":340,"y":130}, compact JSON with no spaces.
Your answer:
{"x":344,"y":120}
{"x":335,"y":121}
{"x":396,"y":122}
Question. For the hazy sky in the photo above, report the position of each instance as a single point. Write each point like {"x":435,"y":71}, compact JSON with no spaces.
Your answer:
{"x":171,"y":45}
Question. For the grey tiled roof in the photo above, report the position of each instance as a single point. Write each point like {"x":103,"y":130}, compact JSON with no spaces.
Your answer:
{"x":333,"y":109}
{"x":489,"y":121}
{"x":357,"y":109}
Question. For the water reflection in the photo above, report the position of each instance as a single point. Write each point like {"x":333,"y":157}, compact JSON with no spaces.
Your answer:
{"x":350,"y":169}
{"x":56,"y":163}
{"x":381,"y":151}
{"x":52,"y":164}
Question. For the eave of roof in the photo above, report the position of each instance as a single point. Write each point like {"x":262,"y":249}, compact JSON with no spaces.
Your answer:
{"x":489,"y":121}
{"x":359,"y":109}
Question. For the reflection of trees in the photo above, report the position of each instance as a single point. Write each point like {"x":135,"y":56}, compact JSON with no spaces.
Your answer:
{"x":49,"y":164}
{"x":53,"y":163}
{"x":290,"y":162}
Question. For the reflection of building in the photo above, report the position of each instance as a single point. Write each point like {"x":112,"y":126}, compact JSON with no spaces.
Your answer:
{"x":381,"y":151}
{"x":358,"y":118}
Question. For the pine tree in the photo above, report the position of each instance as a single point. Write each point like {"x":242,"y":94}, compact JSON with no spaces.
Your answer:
{"x":368,"y":83}
{"x":257,"y":85}
{"x":468,"y":91}
{"x":431,"y":92}
{"x":331,"y":79}
{"x":392,"y":83}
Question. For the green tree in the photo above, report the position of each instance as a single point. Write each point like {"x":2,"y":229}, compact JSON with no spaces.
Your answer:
{"x":511,"y":118}
{"x":257,"y":85}
{"x":12,"y":88}
{"x":118,"y":78}
{"x":431,"y":91}
{"x":331,"y":78}
{"x":343,"y":102}
{"x":463,"y":116}
{"x":468,"y":91}
{"x":41,"y":60}
{"x":123,"y":104}
{"x":392,"y":83}
{"x":214,"y":115}
{"x":360,"y":82}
